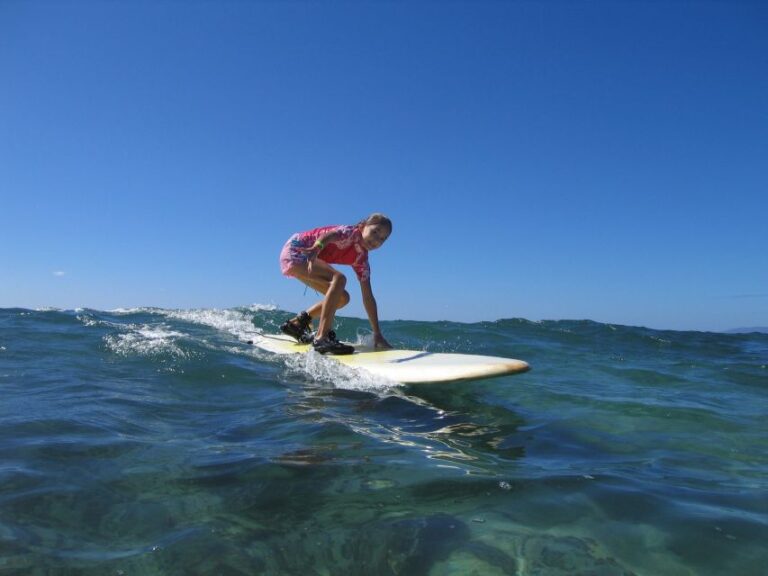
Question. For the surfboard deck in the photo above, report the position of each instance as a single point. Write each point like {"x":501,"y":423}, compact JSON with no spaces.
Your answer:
{"x":407,"y":366}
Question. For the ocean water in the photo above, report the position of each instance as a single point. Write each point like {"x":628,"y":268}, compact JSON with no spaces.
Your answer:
{"x":158,"y":442}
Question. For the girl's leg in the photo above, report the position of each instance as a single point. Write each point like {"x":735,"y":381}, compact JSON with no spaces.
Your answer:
{"x":326,"y":279}
{"x":331,"y":303}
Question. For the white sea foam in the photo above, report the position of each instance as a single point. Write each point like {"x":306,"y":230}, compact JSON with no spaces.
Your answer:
{"x":90,"y":321}
{"x":87,"y":319}
{"x":230,"y":321}
{"x":327,"y":371}
{"x":124,"y":310}
{"x":149,"y":340}
{"x":146,"y":340}
{"x":136,"y":310}
{"x":260,"y":307}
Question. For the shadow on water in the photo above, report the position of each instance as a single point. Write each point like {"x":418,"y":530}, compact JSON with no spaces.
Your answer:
{"x":331,"y":506}
{"x":455,"y":428}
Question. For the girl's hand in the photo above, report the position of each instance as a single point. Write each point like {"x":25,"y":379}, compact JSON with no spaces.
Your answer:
{"x":380,"y":342}
{"x":312,"y":251}
{"x":311,"y":254}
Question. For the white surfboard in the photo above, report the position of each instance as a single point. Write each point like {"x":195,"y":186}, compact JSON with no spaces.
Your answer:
{"x":406,"y":366}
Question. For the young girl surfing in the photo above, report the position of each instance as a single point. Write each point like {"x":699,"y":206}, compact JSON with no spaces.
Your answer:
{"x":308,"y":256}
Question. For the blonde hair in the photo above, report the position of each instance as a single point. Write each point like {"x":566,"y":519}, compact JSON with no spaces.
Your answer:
{"x":377,"y":218}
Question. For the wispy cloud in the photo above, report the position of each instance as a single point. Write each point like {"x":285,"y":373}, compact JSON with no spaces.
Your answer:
{"x":58,"y":273}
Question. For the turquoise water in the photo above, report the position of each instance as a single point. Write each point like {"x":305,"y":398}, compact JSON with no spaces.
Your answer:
{"x":149,"y":442}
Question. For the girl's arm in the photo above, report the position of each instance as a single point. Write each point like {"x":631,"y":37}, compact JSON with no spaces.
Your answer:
{"x":321,"y":243}
{"x":373,"y":314}
{"x":317,"y":247}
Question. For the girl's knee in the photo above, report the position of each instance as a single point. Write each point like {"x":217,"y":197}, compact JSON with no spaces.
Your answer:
{"x":339,"y":279}
{"x":344,"y":299}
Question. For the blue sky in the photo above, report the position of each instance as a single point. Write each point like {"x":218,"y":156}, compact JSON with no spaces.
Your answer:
{"x":544,"y":160}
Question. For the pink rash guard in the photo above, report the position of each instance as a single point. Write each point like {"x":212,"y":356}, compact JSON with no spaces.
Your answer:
{"x":347,"y":248}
